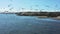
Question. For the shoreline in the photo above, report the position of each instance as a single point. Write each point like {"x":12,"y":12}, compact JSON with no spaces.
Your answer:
{"x":55,"y":18}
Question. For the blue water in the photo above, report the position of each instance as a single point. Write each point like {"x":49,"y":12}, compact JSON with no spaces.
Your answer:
{"x":13,"y":24}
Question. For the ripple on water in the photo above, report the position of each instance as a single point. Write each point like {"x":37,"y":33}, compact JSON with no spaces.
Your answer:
{"x":12,"y":24}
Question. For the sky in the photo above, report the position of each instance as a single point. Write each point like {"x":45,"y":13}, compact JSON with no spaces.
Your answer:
{"x":30,"y":4}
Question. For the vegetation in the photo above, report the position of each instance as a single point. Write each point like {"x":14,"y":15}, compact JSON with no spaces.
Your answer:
{"x":49,"y":14}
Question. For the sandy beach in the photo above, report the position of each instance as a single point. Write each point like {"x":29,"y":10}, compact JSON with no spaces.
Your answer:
{"x":56,"y":18}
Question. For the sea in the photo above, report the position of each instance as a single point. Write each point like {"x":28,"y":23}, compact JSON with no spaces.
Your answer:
{"x":14,"y":24}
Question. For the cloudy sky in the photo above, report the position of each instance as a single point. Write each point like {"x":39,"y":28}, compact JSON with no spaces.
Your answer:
{"x":31,"y":4}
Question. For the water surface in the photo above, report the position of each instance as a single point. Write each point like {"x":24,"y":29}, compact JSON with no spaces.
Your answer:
{"x":13,"y":24}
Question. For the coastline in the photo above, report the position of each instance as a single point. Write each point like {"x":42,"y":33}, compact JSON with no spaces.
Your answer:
{"x":55,"y":18}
